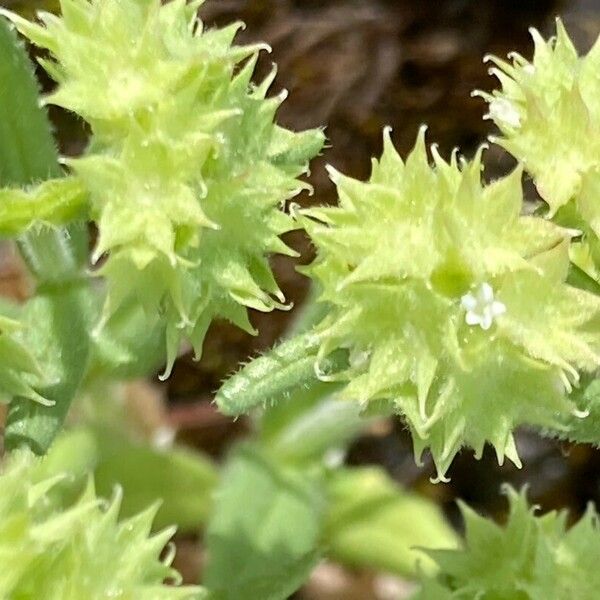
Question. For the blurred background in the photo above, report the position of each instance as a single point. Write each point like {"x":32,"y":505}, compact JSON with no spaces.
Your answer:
{"x":356,"y":66}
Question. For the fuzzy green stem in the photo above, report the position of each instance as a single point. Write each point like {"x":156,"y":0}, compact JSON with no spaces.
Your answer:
{"x":273,"y":376}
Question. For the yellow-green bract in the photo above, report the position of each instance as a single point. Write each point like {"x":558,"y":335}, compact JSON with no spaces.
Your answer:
{"x":548,"y":112}
{"x":530,"y":558}
{"x":451,"y":303}
{"x":186,"y":171}
{"x":78,"y":551}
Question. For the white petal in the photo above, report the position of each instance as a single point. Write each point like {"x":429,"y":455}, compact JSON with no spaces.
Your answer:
{"x":472,"y":318}
{"x":498,"y":308}
{"x":487,"y":293}
{"x":468,"y":302}
{"x":486,"y":321}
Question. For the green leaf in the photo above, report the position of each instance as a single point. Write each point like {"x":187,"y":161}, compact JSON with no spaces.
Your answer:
{"x":308,"y":423}
{"x":74,"y":452}
{"x":371,"y":522}
{"x":56,"y":328}
{"x":57,"y":321}
{"x":310,"y":314}
{"x":262,"y":540}
{"x":28,"y":155}
{"x":182,"y":480}
{"x":129,"y":345}
{"x":27,"y":151}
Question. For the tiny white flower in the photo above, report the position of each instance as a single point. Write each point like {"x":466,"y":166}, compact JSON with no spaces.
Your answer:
{"x":529,"y":69}
{"x":481,"y":307}
{"x":504,"y":111}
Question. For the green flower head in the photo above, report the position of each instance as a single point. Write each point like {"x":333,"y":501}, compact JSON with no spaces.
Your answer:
{"x":530,"y":558}
{"x":548,"y":112}
{"x":79,"y":551}
{"x":452,"y":305}
{"x":187,"y":172}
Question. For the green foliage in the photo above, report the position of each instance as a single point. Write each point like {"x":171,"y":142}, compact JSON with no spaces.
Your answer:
{"x":310,"y":425}
{"x":56,"y":323}
{"x":77,"y":551}
{"x":187,"y":171}
{"x":530,"y":558}
{"x":438,"y":300}
{"x":179,"y":480}
{"x":263,"y":538}
{"x":182,"y":481}
{"x":56,"y":327}
{"x":131,"y":344}
{"x":28,"y":156}
{"x":371,"y":522}
{"x":479,"y":333}
{"x":27,"y":151}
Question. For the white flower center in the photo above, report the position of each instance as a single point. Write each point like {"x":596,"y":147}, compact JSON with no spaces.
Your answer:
{"x":504,"y":111}
{"x":481,"y":307}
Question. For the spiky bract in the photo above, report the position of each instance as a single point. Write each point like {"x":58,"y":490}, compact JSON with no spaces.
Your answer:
{"x":452,"y":304}
{"x":187,"y":171}
{"x":77,"y":551}
{"x":530,"y":558}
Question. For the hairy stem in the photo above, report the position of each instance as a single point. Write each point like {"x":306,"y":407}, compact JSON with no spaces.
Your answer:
{"x":273,"y":376}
